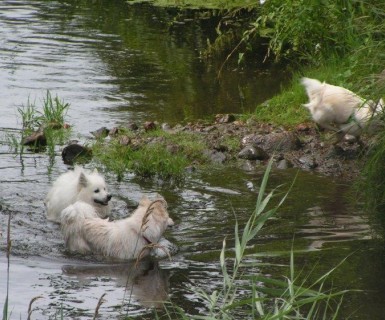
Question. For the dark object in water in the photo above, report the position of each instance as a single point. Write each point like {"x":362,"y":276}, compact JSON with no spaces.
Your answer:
{"x":76,"y":153}
{"x":100,"y":133}
{"x":37,"y":139}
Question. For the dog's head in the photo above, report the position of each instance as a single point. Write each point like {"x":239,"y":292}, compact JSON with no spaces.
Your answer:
{"x":93,"y":189}
{"x":156,"y":218}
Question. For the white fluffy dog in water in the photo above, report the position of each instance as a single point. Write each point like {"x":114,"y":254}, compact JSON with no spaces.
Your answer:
{"x":78,"y":185}
{"x":129,"y":238}
{"x":338,"y":109}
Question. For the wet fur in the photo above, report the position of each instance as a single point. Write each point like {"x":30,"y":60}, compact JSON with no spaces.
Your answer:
{"x":78,"y":185}
{"x":338,"y":109}
{"x":84,"y":232}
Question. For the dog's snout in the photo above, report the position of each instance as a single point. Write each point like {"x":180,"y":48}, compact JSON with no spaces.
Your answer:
{"x":109,"y":196}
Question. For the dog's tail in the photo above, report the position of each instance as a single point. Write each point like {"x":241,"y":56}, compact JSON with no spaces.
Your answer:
{"x":314,"y":89}
{"x":312,"y":86}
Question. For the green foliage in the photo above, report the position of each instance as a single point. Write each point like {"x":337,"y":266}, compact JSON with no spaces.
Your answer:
{"x":52,"y":114}
{"x":156,"y":160}
{"x":310,"y":29}
{"x":54,"y":111}
{"x":50,"y":120}
{"x":157,"y":154}
{"x":303,"y":30}
{"x":28,"y":115}
{"x":231,"y":143}
{"x":285,"y":108}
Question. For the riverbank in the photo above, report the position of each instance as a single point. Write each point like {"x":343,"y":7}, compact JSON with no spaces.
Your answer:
{"x":225,"y":141}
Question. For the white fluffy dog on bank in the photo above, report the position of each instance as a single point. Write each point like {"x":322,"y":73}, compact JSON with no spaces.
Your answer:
{"x":78,"y":185}
{"x":340,"y":110}
{"x":129,"y":238}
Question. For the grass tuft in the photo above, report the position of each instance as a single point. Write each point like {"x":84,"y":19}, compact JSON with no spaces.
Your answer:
{"x":156,"y":154}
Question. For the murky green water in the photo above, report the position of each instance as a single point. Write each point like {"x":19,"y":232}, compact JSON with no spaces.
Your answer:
{"x":114,"y":63}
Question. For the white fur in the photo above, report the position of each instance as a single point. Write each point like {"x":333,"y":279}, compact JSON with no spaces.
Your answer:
{"x":84,"y":232}
{"x":78,"y":185}
{"x":338,"y":109}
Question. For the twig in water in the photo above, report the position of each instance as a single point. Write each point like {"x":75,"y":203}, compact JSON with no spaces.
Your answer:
{"x":30,"y":306}
{"x":100,"y":302}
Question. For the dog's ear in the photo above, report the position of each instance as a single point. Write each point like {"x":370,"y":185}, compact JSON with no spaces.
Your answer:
{"x":95,"y":171}
{"x":83,"y":180}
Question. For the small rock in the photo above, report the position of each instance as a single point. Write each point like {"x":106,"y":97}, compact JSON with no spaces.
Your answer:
{"x":149,"y":125}
{"x":100,"y":133}
{"x":221,"y":148}
{"x":251,"y":122}
{"x":179,"y":128}
{"x":215,"y":156}
{"x":75,"y":152}
{"x":250,"y":185}
{"x":172,"y":148}
{"x":132,"y":126}
{"x":349,"y":138}
{"x":253,"y":153}
{"x":308,"y":162}
{"x":284,"y":164}
{"x":302,"y":127}
{"x":273,"y":142}
{"x":190,"y":169}
{"x":249,"y":165}
{"x":165,"y":127}
{"x":36,"y":139}
{"x":114,"y":132}
{"x":209,"y":129}
{"x":124,"y":141}
{"x":224,"y":118}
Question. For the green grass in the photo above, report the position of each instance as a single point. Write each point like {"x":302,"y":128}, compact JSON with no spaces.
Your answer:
{"x":49,"y":119}
{"x":52,"y":114}
{"x":155,"y":154}
{"x":54,"y":111}
{"x":286,"y":108}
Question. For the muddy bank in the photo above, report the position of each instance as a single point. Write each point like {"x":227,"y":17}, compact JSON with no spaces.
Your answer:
{"x":303,"y":147}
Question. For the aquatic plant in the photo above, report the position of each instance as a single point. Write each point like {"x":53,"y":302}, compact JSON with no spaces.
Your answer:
{"x":54,"y":111}
{"x":265,"y":298}
{"x":155,"y":154}
{"x":47,"y":125}
{"x":52,"y":114}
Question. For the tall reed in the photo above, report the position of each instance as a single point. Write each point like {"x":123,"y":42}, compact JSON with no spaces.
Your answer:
{"x":266,"y":298}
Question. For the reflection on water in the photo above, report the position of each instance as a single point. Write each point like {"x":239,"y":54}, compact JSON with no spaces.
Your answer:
{"x":322,"y":228}
{"x":144,"y":282}
{"x":113,"y":63}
